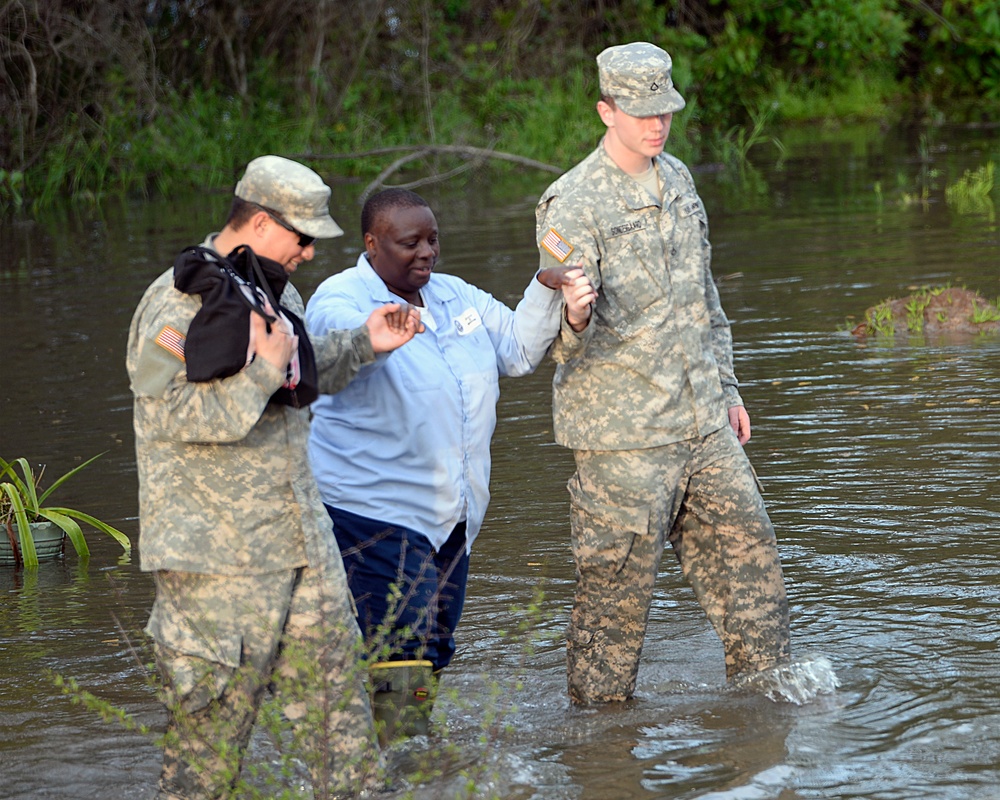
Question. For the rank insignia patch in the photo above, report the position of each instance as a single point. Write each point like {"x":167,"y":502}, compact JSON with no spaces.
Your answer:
{"x":171,"y":340}
{"x":557,"y":247}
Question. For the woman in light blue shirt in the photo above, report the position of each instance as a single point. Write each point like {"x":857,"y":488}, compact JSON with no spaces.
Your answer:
{"x":402,"y":455}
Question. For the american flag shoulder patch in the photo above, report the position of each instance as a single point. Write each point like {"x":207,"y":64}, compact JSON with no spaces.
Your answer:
{"x":557,"y":247}
{"x":171,"y":340}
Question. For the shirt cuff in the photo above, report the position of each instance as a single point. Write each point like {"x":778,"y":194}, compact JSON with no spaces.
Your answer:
{"x":361,"y":341}
{"x":732,"y":396}
{"x":541,"y":295}
{"x":267,"y":376}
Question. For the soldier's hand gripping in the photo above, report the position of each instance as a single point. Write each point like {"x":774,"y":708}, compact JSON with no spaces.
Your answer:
{"x":275,"y":346}
{"x":577,"y":290}
{"x":393,"y":325}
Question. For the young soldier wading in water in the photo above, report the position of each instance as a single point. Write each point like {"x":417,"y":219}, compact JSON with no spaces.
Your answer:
{"x":647,"y":399}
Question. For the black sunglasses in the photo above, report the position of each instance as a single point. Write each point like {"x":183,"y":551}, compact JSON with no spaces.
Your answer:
{"x":304,"y":241}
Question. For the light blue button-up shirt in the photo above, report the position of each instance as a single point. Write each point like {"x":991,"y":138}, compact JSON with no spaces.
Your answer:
{"x":408,"y":441}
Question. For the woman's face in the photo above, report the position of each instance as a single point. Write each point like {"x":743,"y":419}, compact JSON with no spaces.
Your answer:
{"x":403,"y":248}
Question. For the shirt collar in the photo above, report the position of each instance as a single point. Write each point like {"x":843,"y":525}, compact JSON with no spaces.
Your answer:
{"x":434,"y":291}
{"x":634,"y":195}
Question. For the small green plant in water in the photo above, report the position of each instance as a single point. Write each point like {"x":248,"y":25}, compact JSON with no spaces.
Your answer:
{"x":917,"y":305}
{"x":973,"y":184}
{"x":879,"y":320}
{"x":740,"y":139}
{"x":970,"y":194}
{"x":915,"y":315}
{"x":11,"y":188}
{"x":987,"y":313}
{"x":22,"y":503}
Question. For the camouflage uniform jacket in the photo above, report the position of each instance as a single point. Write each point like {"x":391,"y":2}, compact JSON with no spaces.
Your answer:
{"x":655,"y":364}
{"x":224,"y":481}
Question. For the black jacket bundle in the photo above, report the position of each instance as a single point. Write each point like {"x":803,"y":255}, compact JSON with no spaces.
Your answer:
{"x":233,"y":287}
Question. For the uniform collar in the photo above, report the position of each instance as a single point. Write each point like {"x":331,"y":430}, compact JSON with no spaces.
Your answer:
{"x":623,"y":184}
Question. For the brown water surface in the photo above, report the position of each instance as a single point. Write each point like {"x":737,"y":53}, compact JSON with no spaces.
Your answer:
{"x":880,"y":462}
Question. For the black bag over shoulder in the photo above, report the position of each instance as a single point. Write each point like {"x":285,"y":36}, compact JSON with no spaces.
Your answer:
{"x":231,"y":288}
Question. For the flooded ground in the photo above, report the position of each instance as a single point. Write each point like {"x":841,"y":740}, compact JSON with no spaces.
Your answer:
{"x":880,"y":463}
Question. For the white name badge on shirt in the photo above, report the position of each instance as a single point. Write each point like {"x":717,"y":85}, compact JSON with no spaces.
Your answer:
{"x":467,"y":321}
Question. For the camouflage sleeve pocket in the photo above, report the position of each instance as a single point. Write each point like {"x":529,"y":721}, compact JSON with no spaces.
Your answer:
{"x":159,"y":360}
{"x":603,"y":534}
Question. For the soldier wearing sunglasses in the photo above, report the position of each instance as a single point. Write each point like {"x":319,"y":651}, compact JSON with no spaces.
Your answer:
{"x":249,"y":588}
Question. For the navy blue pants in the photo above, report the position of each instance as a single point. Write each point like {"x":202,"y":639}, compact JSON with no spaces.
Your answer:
{"x":409,"y":597}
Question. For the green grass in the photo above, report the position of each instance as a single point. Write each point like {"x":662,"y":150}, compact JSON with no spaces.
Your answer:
{"x":987,"y":313}
{"x":864,"y":98}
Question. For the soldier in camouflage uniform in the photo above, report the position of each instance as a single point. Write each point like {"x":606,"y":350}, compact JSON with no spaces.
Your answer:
{"x":250,"y":588}
{"x":647,"y":398}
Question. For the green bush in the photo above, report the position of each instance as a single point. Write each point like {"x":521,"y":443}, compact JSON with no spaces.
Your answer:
{"x":178,"y":96}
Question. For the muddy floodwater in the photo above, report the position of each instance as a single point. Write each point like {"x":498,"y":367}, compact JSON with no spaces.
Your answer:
{"x":880,"y":462}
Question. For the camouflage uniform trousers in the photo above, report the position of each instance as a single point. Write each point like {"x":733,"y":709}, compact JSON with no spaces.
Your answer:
{"x":702,"y":496}
{"x":220,"y":641}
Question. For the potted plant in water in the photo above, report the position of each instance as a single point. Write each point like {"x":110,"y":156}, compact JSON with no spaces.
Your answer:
{"x":27,"y":523}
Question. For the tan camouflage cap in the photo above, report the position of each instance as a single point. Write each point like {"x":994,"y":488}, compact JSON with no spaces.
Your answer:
{"x":637,"y":76}
{"x":294,"y":191}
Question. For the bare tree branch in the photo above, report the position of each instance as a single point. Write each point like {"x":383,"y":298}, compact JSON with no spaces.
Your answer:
{"x":359,"y":57}
{"x":473,"y":155}
{"x":425,"y":68}
{"x":437,"y":149}
{"x":374,"y":186}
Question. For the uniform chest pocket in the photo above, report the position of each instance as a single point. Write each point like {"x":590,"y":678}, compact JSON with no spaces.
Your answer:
{"x":472,"y":356}
{"x":689,"y":248}
{"x":633,"y":278}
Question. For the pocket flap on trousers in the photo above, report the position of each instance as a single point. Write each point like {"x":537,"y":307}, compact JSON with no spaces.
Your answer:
{"x":190,"y":638}
{"x":603,"y":534}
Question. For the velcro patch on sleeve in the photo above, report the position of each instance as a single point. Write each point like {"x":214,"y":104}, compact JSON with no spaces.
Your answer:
{"x":556,"y":246}
{"x":171,"y":340}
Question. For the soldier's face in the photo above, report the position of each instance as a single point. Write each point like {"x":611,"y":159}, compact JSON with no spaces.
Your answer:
{"x":644,"y":136}
{"x":403,"y":248}
{"x":280,"y":244}
{"x":634,"y":139}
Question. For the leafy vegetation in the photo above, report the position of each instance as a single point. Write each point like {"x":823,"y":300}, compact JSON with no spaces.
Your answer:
{"x":110,"y":96}
{"x":970,"y":194}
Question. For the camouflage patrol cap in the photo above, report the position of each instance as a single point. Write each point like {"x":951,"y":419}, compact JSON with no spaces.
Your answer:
{"x":637,"y":76}
{"x":294,"y":191}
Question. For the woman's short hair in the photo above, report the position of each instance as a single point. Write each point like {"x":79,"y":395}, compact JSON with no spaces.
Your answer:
{"x":378,"y":205}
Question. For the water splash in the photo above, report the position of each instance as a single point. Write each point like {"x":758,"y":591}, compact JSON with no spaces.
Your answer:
{"x":799,"y":681}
